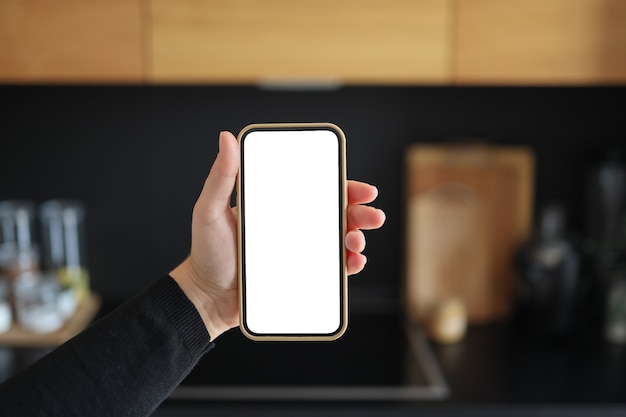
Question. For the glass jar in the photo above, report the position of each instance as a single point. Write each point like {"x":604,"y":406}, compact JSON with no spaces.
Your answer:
{"x":63,"y":244}
{"x":18,"y":252}
{"x":5,"y":307}
{"x":16,"y":223}
{"x":36,"y":303}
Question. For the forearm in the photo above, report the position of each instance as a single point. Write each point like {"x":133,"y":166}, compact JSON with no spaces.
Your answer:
{"x":125,"y":364}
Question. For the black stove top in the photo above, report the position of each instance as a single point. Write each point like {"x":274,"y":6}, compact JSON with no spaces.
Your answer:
{"x":379,"y":358}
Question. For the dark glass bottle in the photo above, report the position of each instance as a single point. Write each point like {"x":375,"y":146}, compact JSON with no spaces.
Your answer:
{"x":549,"y":278}
{"x":606,"y":228}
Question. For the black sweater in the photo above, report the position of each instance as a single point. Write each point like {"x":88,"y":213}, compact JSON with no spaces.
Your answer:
{"x":125,"y":364}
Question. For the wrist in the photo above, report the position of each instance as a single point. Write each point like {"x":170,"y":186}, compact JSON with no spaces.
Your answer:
{"x":204,"y":302}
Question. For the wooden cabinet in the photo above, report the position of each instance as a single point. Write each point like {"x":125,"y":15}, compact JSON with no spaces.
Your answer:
{"x":257,"y":41}
{"x":404,"y":42}
{"x":540,"y":42}
{"x":70,"y":40}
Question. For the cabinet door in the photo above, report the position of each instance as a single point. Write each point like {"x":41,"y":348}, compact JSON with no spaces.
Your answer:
{"x":257,"y":41}
{"x":70,"y":40}
{"x":539,"y":41}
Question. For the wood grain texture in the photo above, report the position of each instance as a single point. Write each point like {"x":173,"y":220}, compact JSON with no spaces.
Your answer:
{"x":468,"y":208}
{"x":70,"y":41}
{"x":253,"y":41}
{"x":540,"y":42}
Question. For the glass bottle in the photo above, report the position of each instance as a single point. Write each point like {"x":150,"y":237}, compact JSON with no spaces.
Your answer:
{"x":63,"y":244}
{"x":615,"y":323}
{"x":549,"y":270}
{"x":6,"y":314}
{"x":18,"y":251}
{"x":606,"y":227}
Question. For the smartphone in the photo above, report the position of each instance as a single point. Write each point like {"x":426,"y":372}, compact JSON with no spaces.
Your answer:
{"x":292,"y":200}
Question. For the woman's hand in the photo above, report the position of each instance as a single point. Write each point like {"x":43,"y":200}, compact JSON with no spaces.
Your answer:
{"x":209,"y":275}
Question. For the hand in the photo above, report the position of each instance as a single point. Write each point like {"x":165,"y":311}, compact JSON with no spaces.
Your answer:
{"x":209,"y":275}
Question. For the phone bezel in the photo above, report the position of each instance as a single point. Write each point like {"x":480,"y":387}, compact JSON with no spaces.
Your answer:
{"x":342,"y":216}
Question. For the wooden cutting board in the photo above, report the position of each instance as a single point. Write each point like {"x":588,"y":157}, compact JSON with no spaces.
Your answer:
{"x":467,"y":209}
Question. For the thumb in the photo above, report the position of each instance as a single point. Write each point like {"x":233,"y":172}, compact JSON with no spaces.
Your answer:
{"x":219,"y":185}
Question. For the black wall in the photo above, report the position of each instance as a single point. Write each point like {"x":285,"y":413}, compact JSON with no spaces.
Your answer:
{"x":138,"y":155}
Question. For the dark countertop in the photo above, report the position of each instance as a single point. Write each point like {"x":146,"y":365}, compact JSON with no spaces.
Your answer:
{"x":495,"y":370}
{"x":496,"y":364}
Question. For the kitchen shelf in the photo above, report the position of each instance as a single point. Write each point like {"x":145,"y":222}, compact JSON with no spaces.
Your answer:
{"x":17,"y":336}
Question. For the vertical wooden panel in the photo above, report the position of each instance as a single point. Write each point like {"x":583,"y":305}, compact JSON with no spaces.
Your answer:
{"x":251,"y":41}
{"x":70,"y":40}
{"x":538,"y":41}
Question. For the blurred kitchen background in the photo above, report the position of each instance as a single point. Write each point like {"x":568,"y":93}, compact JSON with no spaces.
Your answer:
{"x":118,"y":104}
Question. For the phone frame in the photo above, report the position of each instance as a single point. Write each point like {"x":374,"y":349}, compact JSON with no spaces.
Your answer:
{"x":343,"y":202}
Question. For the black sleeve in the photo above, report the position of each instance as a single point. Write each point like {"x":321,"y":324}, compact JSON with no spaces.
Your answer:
{"x":125,"y":364}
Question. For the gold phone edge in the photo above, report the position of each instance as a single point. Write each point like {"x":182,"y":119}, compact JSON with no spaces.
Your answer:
{"x":344,"y":312}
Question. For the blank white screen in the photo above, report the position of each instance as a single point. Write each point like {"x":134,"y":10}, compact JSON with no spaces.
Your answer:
{"x":292,"y":232}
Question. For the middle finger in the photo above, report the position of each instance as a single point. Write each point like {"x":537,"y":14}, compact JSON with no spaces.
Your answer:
{"x":364,"y":217}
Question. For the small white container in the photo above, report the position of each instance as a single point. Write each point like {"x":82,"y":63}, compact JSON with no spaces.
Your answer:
{"x":36,"y":303}
{"x":67,"y":303}
{"x":6,"y":317}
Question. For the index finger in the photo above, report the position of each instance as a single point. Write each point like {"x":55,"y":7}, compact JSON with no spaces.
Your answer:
{"x":361,"y":192}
